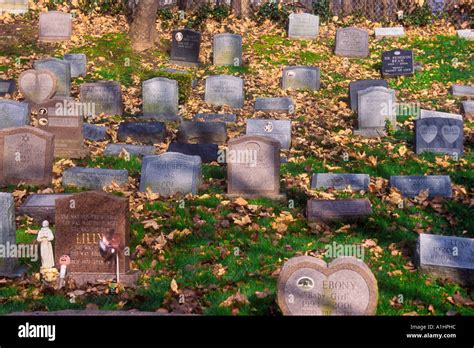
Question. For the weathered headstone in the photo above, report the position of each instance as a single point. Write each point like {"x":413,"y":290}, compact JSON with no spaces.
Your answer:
{"x":277,"y":129}
{"x":14,"y":6}
{"x":430,"y":113}
{"x":185,"y":47}
{"x":225,"y":90}
{"x":207,"y":152}
{"x":468,"y":109}
{"x":467,"y":34}
{"x":209,"y":117}
{"x":440,"y":135}
{"x":8,"y":265}
{"x":352,"y":42}
{"x":309,"y":286}
{"x":340,"y":181}
{"x":84,"y":219}
{"x":105,"y":95}
{"x":463,"y":91}
{"x":339,"y":209}
{"x":282,"y":104}
{"x":41,"y":207}
{"x":301,"y":77}
{"x":78,"y":63}
{"x":7,"y":87}
{"x":136,"y":150}
{"x":94,"y":178}
{"x":446,"y":257}
{"x":170,"y":173}
{"x":26,"y":156}
{"x":227,"y":49}
{"x":160,"y":99}
{"x":94,"y":132}
{"x":55,"y":26}
{"x":389,"y":32}
{"x":14,"y":114}
{"x":303,"y":26}
{"x":192,"y":132}
{"x":412,"y":186}
{"x":61,"y":69}
{"x":360,"y":85}
{"x":253,"y":167}
{"x":142,"y":132}
{"x":37,"y":86}
{"x":398,"y":63}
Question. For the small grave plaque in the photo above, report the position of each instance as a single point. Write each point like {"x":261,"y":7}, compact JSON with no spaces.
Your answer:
{"x":136,"y":150}
{"x":7,"y":87}
{"x":142,"y":132}
{"x":207,"y":152}
{"x":340,"y":181}
{"x":13,"y":114}
{"x":208,"y":117}
{"x":360,"y":85}
{"x":463,"y":91}
{"x":412,"y":186}
{"x":397,"y":63}
{"x":468,"y":109}
{"x":41,"y":206}
{"x":61,"y":69}
{"x":94,"y":132}
{"x":389,"y":32}
{"x":94,"y":178}
{"x":14,"y":6}
{"x":191,"y":132}
{"x":106,"y":96}
{"x":78,"y":63}
{"x":339,"y":209}
{"x":283,"y":104}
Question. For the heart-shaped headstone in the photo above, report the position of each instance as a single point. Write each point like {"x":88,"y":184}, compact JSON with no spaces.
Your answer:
{"x":450,"y":133}
{"x":309,"y":286}
{"x":428,"y":133}
{"x":37,"y":86}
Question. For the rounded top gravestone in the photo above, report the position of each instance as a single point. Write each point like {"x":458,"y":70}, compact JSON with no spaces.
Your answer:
{"x":37,"y":86}
{"x":309,"y":286}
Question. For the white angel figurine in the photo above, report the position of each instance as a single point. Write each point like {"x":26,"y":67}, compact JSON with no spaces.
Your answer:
{"x":45,"y":236}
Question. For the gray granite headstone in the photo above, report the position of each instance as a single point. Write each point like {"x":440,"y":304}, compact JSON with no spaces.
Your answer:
{"x":227,"y":49}
{"x":78,"y":63}
{"x":55,"y":26}
{"x":209,"y":117}
{"x":207,"y":152}
{"x":303,"y":26}
{"x":61,"y":69}
{"x":352,"y":42}
{"x":14,"y":6}
{"x":467,"y":34}
{"x":142,"y":132}
{"x":440,"y":135}
{"x":225,"y":90}
{"x":389,"y":32}
{"x":40,"y":207}
{"x":468,"y":109}
{"x":277,"y":129}
{"x":430,"y":113}
{"x":301,"y":77}
{"x":411,"y":186}
{"x":160,"y":99}
{"x":94,"y":132}
{"x":7,"y":87}
{"x":192,"y":132}
{"x":446,"y":257}
{"x":170,"y":173}
{"x":463,"y":91}
{"x":340,"y":181}
{"x":279,"y":104}
{"x":360,"y":85}
{"x":106,"y":96}
{"x":94,"y":178}
{"x":137,"y":150}
{"x":338,"y":210}
{"x":13,"y":114}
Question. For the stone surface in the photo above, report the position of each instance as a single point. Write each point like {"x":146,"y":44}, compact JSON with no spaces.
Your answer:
{"x":352,"y":42}
{"x":463,"y":91}
{"x":467,"y":109}
{"x":207,"y":152}
{"x":78,"y":63}
{"x":170,"y":173}
{"x":227,"y":49}
{"x":360,"y":85}
{"x":14,"y":114}
{"x":26,"y":156}
{"x":277,"y":129}
{"x":94,"y":132}
{"x":94,"y":178}
{"x":301,"y":77}
{"x":82,"y":220}
{"x":55,"y":26}
{"x":253,"y":167}
{"x":37,"y":86}
{"x":439,"y":135}
{"x":376,"y":106}
{"x":340,"y":181}
{"x":61,"y":69}
{"x":185,"y":47}
{"x":14,"y":6}
{"x":303,"y":26}
{"x":339,"y":209}
{"x":192,"y":132}
{"x":389,"y":32}
{"x":467,"y":34}
{"x":225,"y":90}
{"x":137,"y":150}
{"x":142,"y":132}
{"x":411,"y":186}
{"x":430,"y":113}
{"x":398,"y":63}
{"x":7,"y":87}
{"x":41,"y":207}
{"x":309,"y":286}
{"x":209,"y":117}
{"x":446,"y":257}
{"x":106,"y":96}
{"x":279,"y":104}
{"x":160,"y":99}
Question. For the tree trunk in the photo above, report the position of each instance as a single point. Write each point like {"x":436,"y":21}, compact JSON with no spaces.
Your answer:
{"x":241,"y":8}
{"x":143,"y":27}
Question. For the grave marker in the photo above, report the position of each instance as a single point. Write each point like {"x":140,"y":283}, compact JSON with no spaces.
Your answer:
{"x":462,"y":91}
{"x":185,"y":47}
{"x":7,"y":87}
{"x":209,"y":117}
{"x":338,"y":181}
{"x":301,"y":78}
{"x":14,"y":6}
{"x":360,"y":85}
{"x":142,"y":132}
{"x":14,"y":114}
{"x":41,"y":207}
{"x":225,"y":90}
{"x":61,"y":69}
{"x":227,"y":49}
{"x":398,"y":63}
{"x":160,"y":99}
{"x":380,"y":33}
{"x":78,"y":63}
{"x":277,"y":129}
{"x":207,"y":152}
{"x":55,"y":26}
{"x":192,"y":132}
{"x":37,"y":86}
{"x":136,"y":150}
{"x":339,"y":209}
{"x":440,"y":135}
{"x":411,"y":186}
{"x":282,"y":104}
{"x":352,"y":42}
{"x":106,"y":96}
{"x":94,"y":178}
{"x":303,"y":26}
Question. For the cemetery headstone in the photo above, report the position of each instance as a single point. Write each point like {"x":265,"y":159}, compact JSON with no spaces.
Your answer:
{"x":283,"y":104}
{"x":185,"y":47}
{"x":78,"y":63}
{"x":303,"y":26}
{"x":339,"y":209}
{"x":37,"y":86}
{"x":94,"y":178}
{"x":14,"y":6}
{"x":398,"y":63}
{"x":468,"y":109}
{"x":26,"y":156}
{"x":358,"y":182}
{"x":61,"y":69}
{"x":170,"y":173}
{"x":352,"y":42}
{"x":55,"y":26}
{"x":94,"y":132}
{"x":227,"y":49}
{"x":389,"y":32}
{"x":440,"y":135}
{"x":14,"y":114}
{"x":467,"y":34}
{"x":41,"y":207}
{"x":209,"y":117}
{"x":430,"y":113}
{"x":277,"y":129}
{"x":309,"y":286}
{"x":463,"y":91}
{"x":136,"y":150}
{"x":106,"y":96}
{"x":360,"y":85}
{"x":7,"y":87}
{"x":142,"y":132}
{"x":412,"y":186}
{"x":207,"y":152}
{"x":192,"y":132}
{"x":225,"y":90}
{"x":160,"y":99}
{"x":301,"y":78}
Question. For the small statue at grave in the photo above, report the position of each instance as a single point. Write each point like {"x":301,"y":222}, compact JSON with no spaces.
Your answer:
{"x":45,"y":236}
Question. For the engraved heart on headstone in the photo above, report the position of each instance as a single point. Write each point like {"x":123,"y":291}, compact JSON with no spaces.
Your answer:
{"x":450,"y":133}
{"x":428,"y":133}
{"x":37,"y":86}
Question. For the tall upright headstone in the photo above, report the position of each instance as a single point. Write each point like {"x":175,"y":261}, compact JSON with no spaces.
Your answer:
{"x":303,"y":26}
{"x":227,"y":49}
{"x":55,"y":26}
{"x":13,"y":114}
{"x":106,"y":96}
{"x":360,"y":85}
{"x":225,"y":90}
{"x":160,"y":99}
{"x":61,"y":69}
{"x":185,"y":47}
{"x":352,"y":42}
{"x":78,"y":63}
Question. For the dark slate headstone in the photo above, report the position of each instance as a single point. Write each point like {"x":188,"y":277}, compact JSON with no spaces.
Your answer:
{"x":225,"y":90}
{"x":352,"y":42}
{"x":55,"y":26}
{"x":440,"y":135}
{"x":303,"y":26}
{"x":207,"y":152}
{"x":137,"y":150}
{"x":301,"y":77}
{"x":61,"y":69}
{"x":94,"y":178}
{"x":411,"y":186}
{"x":192,"y":132}
{"x":7,"y":87}
{"x":227,"y":49}
{"x":339,"y":209}
{"x":446,"y":257}
{"x":14,"y":114}
{"x":282,"y":104}
{"x":277,"y":129}
{"x":160,"y":99}
{"x":40,"y":207}
{"x":398,"y":63}
{"x":78,"y":63}
{"x":209,"y":117}
{"x":142,"y":132}
{"x":185,"y":47}
{"x":360,"y":85}
{"x":94,"y":132}
{"x":106,"y":96}
{"x":340,"y":181}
